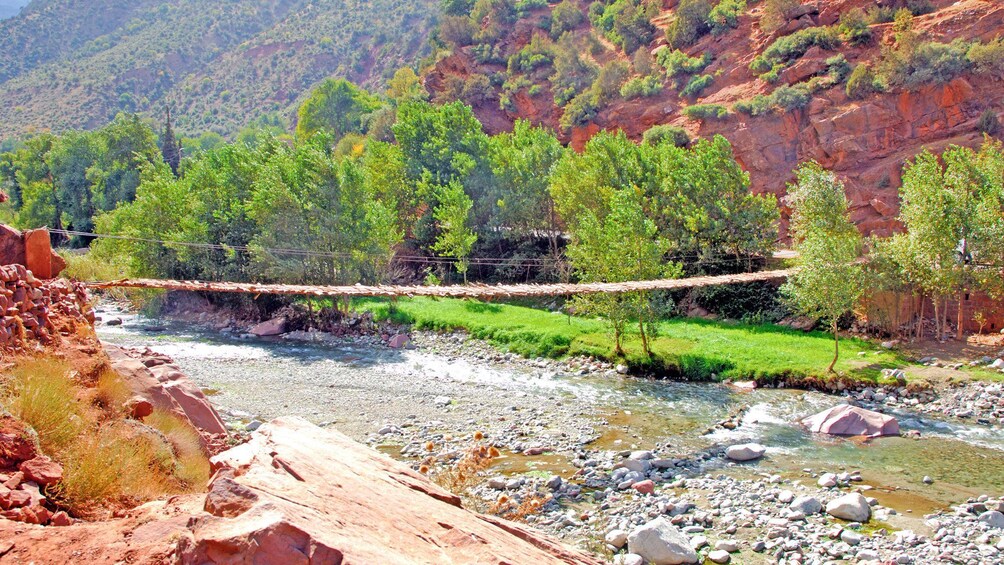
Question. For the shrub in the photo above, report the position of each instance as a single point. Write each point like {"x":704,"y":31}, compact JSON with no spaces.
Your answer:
{"x":706,"y":111}
{"x":880,"y":14}
{"x":988,"y":122}
{"x":775,"y":14}
{"x":927,"y":63}
{"x":538,"y":53}
{"x":566,"y":16}
{"x":854,"y":27}
{"x":919,"y":7}
{"x":988,"y":57}
{"x":838,"y":68}
{"x":757,"y":106}
{"x":639,"y":87}
{"x":725,"y":15}
{"x":579,"y":110}
{"x":791,"y":97}
{"x":862,"y":82}
{"x":666,"y":133}
{"x":790,"y":47}
{"x":477,"y":90}
{"x":524,"y":7}
{"x":456,"y":30}
{"x":608,"y":82}
{"x":696,"y":85}
{"x":690,"y":24}
{"x":678,"y":63}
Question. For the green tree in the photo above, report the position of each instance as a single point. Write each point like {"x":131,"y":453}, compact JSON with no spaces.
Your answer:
{"x":336,"y":106}
{"x":170,"y":148}
{"x":828,"y":280}
{"x":522,"y":162}
{"x":622,"y":245}
{"x":691,"y":23}
{"x":126,"y":145}
{"x":452,"y":213}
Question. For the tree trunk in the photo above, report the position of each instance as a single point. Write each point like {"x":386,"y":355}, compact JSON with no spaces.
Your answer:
{"x":920,"y":319}
{"x":836,"y":348}
{"x":617,"y":343}
{"x":958,"y":327}
{"x":644,"y":338}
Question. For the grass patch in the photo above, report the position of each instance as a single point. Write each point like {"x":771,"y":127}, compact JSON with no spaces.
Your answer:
{"x":685,"y":348}
{"x":108,"y":461}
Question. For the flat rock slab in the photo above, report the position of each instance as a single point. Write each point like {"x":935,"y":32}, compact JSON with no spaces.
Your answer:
{"x":316,"y":496}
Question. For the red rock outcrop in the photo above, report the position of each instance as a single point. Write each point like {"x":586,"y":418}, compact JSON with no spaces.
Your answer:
{"x":297,"y":494}
{"x":155,"y":378}
{"x":32,"y":249}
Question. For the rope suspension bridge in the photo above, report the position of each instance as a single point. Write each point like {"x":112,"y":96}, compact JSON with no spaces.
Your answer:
{"x":483,"y":291}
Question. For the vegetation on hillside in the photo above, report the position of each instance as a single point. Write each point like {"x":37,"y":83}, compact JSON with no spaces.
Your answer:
{"x":219,"y":65}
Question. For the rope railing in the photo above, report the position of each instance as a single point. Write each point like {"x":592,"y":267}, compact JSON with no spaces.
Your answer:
{"x":456,"y":291}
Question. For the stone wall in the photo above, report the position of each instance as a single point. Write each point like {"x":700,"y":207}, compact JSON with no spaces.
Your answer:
{"x":36,"y":312}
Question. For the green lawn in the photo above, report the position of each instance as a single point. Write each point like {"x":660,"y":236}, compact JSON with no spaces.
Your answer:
{"x":685,"y":348}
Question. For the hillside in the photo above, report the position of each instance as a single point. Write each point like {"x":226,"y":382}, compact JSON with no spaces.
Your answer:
{"x":566,"y":66}
{"x":66,"y":64}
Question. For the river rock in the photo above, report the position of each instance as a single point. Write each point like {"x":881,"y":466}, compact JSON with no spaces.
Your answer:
{"x":745,"y":452}
{"x":399,"y":341}
{"x":993,"y":518}
{"x":268,"y":328}
{"x":628,"y":559}
{"x":616,"y":538}
{"x":807,"y":505}
{"x":661,"y":543}
{"x":851,"y":507}
{"x":719,"y":556}
{"x":847,"y":420}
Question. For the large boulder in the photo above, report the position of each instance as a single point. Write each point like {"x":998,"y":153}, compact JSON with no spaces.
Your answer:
{"x":297,"y":493}
{"x":661,"y":543}
{"x":268,"y":328}
{"x":847,"y":420}
{"x":156,"y":379}
{"x":852,"y":507}
{"x":745,"y":452}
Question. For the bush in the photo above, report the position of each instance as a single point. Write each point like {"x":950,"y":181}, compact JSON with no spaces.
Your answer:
{"x":988,"y":122}
{"x":838,"y":68}
{"x":696,"y":85}
{"x":880,"y":14}
{"x":678,"y":63}
{"x":791,"y":97}
{"x":538,"y":53}
{"x":639,"y":87}
{"x":775,"y":14}
{"x":565,"y":17}
{"x":524,"y":7}
{"x":862,"y":82}
{"x":676,"y":135}
{"x":854,"y":27}
{"x":988,"y":57}
{"x":477,"y":90}
{"x":706,"y":111}
{"x":725,"y":15}
{"x":456,"y":30}
{"x":919,"y":7}
{"x":927,"y":63}
{"x":757,"y":106}
{"x":690,"y":24}
{"x":579,"y":110}
{"x":786,"y":49}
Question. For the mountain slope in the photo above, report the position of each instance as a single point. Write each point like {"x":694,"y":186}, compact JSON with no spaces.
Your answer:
{"x":66,"y":64}
{"x":792,"y":108}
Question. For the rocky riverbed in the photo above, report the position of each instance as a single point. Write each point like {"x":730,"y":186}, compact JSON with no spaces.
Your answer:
{"x":613,"y":454}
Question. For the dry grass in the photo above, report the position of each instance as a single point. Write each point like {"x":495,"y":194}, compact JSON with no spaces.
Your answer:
{"x":191,"y":466}
{"x":40,"y":393}
{"x":509,"y":509}
{"x":108,"y":461}
{"x":465,"y":473}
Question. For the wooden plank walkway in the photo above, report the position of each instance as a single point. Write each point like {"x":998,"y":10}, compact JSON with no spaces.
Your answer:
{"x":458,"y":291}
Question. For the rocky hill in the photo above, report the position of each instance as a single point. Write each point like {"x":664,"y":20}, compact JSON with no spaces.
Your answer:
{"x":844,"y":82}
{"x":220,"y":65}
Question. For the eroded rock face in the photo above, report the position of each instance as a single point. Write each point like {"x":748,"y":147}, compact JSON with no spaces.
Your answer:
{"x":299,"y":494}
{"x":155,"y":379}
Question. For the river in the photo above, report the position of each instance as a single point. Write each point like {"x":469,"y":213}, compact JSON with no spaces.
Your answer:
{"x":359,"y":388}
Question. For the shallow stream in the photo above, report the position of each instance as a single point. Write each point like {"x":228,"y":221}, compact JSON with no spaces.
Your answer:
{"x":357,"y":388}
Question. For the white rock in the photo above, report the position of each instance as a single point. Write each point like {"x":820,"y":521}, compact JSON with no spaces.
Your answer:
{"x":616,"y":538}
{"x":868,"y":555}
{"x":993,"y":518}
{"x":785,"y":496}
{"x":806,"y":505}
{"x":850,"y":537}
{"x":719,"y":556}
{"x":851,"y":507}
{"x":442,"y":401}
{"x":661,"y":543}
{"x":728,"y":545}
{"x":745,"y":452}
{"x":827,"y":480}
{"x":629,"y":559}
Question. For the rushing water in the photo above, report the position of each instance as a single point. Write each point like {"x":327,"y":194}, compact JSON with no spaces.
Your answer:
{"x":318,"y":380}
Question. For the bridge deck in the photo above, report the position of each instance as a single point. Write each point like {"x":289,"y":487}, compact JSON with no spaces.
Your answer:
{"x":458,"y":291}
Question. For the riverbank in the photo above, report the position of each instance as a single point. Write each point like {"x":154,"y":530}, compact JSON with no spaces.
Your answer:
{"x":566,"y":428}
